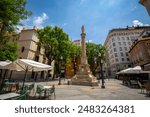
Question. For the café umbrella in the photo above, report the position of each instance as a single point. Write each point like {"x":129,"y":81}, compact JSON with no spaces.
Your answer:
{"x":27,"y":65}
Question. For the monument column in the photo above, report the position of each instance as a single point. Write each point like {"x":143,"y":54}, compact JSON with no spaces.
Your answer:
{"x":83,"y":58}
{"x":83,"y":75}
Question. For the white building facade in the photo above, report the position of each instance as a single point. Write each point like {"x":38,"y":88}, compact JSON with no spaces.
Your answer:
{"x":118,"y":43}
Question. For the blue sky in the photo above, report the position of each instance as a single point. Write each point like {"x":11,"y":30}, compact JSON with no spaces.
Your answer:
{"x":98,"y":16}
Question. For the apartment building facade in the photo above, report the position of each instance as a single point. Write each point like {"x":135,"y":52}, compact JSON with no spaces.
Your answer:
{"x":118,"y":43}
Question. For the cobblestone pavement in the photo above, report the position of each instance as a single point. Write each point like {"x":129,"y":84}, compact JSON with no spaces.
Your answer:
{"x":114,"y":91}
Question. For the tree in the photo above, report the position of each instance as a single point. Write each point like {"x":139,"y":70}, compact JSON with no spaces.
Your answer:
{"x":56,"y":44}
{"x":8,"y":52}
{"x":93,"y":51}
{"x":75,"y":54}
{"x":11,"y":12}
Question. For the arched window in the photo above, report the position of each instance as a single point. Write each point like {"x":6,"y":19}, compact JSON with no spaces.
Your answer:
{"x":23,"y":48}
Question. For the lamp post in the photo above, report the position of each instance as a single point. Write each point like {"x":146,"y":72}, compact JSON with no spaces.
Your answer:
{"x":61,"y":58}
{"x":101,"y":66}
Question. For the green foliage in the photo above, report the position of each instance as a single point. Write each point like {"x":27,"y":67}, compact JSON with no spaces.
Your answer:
{"x":8,"y":52}
{"x":93,"y":52}
{"x":75,"y":51}
{"x":55,"y":41}
{"x":11,"y":12}
{"x":57,"y":45}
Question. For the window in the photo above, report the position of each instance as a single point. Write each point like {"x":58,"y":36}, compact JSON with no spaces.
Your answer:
{"x":129,"y":43}
{"x":119,"y":43}
{"x":120,"y":48}
{"x":114,"y":44}
{"x":112,"y":39}
{"x":123,"y":38}
{"x":127,"y":59}
{"x":128,"y":38}
{"x":116,"y":55}
{"x":124,"y":43}
{"x":121,"y":53}
{"x":127,"y":54}
{"x":116,"y":60}
{"x":37,"y":58}
{"x":125,"y":48}
{"x":115,"y":50}
{"x":122,"y":59}
{"x":23,"y":48}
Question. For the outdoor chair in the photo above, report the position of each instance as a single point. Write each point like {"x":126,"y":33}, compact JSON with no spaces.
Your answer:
{"x":142,"y":87}
{"x":30,"y":88}
{"x":51,"y":91}
{"x":39,"y":90}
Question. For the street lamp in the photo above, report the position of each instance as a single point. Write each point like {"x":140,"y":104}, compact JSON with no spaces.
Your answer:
{"x":101,"y":66}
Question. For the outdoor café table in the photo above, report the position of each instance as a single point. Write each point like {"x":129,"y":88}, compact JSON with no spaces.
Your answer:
{"x":46,"y":88}
{"x":7,"y":96}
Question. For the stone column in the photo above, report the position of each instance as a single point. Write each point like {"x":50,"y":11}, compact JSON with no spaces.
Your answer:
{"x":83,"y":57}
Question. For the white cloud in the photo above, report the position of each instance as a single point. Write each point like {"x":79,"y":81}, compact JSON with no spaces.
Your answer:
{"x":38,"y":21}
{"x":138,"y":23}
{"x":19,"y":28}
{"x":24,"y":24}
{"x":88,"y":41}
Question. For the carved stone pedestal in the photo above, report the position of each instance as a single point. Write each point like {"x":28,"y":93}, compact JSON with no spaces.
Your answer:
{"x":84,"y":77}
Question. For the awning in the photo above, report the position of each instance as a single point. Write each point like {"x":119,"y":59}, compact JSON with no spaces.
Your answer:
{"x":135,"y":70}
{"x":3,"y":64}
{"x":23,"y":64}
{"x":124,"y":71}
